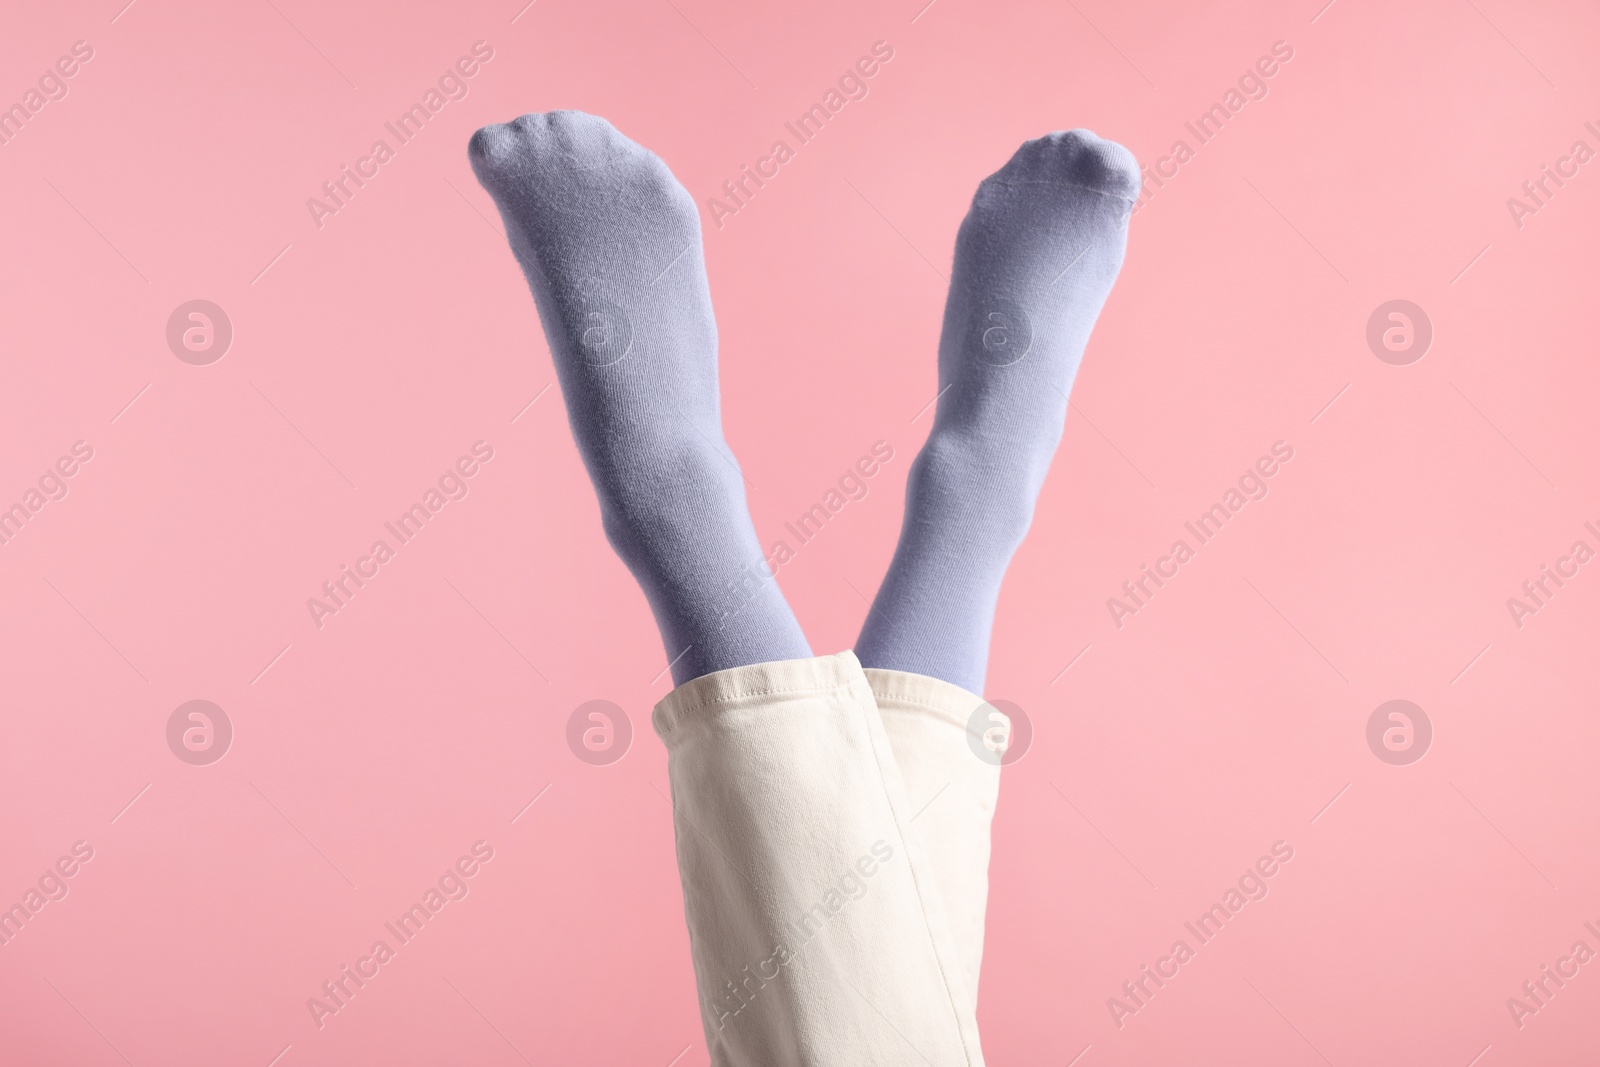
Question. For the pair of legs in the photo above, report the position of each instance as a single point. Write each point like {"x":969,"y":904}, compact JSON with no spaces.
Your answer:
{"x":610,"y":243}
{"x":826,"y":927}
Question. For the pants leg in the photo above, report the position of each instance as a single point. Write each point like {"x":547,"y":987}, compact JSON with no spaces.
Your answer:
{"x":951,"y":772}
{"x":816,"y":922}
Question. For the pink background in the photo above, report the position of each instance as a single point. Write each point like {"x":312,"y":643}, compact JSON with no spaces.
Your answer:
{"x":370,"y":754}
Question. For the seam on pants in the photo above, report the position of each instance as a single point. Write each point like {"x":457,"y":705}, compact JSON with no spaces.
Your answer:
{"x":924,"y":704}
{"x":943,"y":713}
{"x":906,"y":689}
{"x":730,"y":697}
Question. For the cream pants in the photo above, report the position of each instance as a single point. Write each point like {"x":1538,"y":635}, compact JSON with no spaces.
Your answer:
{"x":833,"y":841}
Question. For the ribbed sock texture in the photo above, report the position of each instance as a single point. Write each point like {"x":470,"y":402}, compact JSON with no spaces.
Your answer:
{"x":610,"y":244}
{"x":1035,"y":259}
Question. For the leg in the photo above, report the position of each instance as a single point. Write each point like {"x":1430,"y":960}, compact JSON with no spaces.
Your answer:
{"x":1035,"y":259}
{"x":610,"y":244}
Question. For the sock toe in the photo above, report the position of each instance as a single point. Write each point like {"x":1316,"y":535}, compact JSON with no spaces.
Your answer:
{"x":1075,"y":157}
{"x":499,"y":152}
{"x":572,"y":159}
{"x":549,"y":140}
